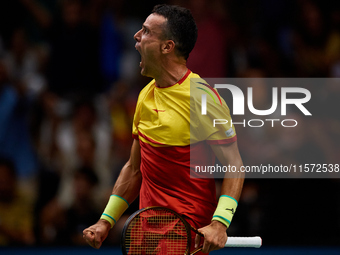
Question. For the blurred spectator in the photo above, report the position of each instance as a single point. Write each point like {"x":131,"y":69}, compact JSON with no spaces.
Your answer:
{"x":63,"y":225}
{"x":111,"y":44}
{"x":84,"y":141}
{"x":23,"y":65}
{"x":122,"y":107}
{"x":82,"y":212}
{"x":16,"y":208}
{"x":316,"y":46}
{"x":86,"y":47}
{"x":73,"y":70}
{"x":9,"y":21}
{"x":118,"y":57}
{"x":210,"y":54}
{"x":52,"y":224}
{"x":15,"y":141}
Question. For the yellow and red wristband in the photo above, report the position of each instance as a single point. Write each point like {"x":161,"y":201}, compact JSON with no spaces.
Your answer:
{"x":114,"y":209}
{"x":225,"y":210}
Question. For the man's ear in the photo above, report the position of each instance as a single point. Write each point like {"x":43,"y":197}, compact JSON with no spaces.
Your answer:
{"x":168,"y":46}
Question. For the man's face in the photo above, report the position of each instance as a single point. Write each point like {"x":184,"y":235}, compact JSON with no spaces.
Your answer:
{"x":149,"y":41}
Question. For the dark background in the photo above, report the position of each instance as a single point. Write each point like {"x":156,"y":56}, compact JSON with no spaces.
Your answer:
{"x":69,"y":81}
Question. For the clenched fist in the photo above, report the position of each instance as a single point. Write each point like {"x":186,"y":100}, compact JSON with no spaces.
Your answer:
{"x":96,"y":234}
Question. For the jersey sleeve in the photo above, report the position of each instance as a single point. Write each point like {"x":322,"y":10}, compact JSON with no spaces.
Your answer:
{"x":134,"y":131}
{"x":214,"y":127}
{"x":137,"y":115}
{"x":136,"y":118}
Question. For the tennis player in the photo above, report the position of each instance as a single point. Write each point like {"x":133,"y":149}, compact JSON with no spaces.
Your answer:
{"x":159,"y":166}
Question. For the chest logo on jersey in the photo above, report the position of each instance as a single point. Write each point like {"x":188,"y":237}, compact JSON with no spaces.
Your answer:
{"x":156,"y":110}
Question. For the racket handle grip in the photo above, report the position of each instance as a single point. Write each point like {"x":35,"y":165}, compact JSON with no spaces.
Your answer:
{"x":251,"y":242}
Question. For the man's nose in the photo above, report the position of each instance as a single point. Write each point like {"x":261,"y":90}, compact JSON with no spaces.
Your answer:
{"x":137,"y":35}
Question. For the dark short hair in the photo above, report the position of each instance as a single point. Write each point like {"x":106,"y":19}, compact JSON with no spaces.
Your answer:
{"x":181,"y":27}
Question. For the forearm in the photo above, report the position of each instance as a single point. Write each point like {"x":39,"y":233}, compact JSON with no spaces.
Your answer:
{"x":128,"y":183}
{"x":126,"y":188}
{"x":228,"y":154}
{"x":130,"y":178}
{"x":233,"y":182}
{"x":124,"y":193}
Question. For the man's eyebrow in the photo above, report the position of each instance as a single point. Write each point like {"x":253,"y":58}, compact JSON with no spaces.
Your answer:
{"x":144,"y":26}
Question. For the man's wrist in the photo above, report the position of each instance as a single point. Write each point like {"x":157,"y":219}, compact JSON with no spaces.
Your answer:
{"x":114,"y":209}
{"x":219,"y":224}
{"x":225,"y":210}
{"x":105,"y":223}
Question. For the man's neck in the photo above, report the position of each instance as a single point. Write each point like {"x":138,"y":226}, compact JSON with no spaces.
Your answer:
{"x":171,"y":75}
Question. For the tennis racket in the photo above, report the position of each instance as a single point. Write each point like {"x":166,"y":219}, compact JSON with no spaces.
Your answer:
{"x":158,"y":230}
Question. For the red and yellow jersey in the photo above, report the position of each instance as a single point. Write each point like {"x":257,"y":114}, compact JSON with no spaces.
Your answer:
{"x":173,"y":134}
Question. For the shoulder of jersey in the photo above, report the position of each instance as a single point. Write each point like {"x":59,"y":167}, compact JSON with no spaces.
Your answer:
{"x":147,"y":88}
{"x":198,"y":86}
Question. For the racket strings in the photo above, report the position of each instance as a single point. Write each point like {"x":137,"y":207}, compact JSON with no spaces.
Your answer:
{"x":156,"y":232}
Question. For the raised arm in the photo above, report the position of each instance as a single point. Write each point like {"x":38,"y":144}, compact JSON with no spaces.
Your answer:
{"x":127,"y":188}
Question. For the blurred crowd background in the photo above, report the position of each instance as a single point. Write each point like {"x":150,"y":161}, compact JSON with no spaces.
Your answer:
{"x":69,"y":81}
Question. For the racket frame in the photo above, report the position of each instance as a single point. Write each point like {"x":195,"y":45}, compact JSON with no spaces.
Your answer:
{"x":188,"y":228}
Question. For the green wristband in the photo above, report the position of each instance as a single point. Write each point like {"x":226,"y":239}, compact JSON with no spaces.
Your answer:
{"x":114,"y":209}
{"x":225,"y":210}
